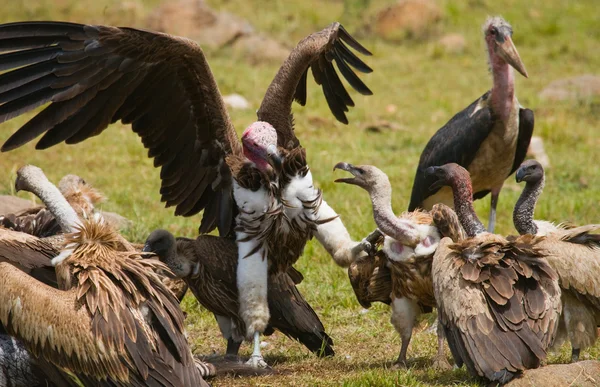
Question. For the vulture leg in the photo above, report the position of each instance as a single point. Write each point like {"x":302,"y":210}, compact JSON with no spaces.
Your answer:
{"x":404,"y":315}
{"x":575,"y":355}
{"x":494,"y":204}
{"x":233,"y":343}
{"x":252,"y":271}
{"x":440,"y":363}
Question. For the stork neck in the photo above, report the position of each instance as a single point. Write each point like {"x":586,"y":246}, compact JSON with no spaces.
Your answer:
{"x":503,"y":90}
{"x":523,"y":212}
{"x":463,"y":205}
{"x":385,"y":218}
{"x":56,"y":203}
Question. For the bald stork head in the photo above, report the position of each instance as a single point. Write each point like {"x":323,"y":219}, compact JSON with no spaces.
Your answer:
{"x":498,"y":37}
{"x":259,"y":141}
{"x":531,"y":171}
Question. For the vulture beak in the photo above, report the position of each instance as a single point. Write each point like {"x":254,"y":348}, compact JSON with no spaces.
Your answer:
{"x":274,"y":157}
{"x":19,"y":183}
{"x":437,"y":172}
{"x":348,"y":168}
{"x":520,"y":175}
{"x":147,"y":248}
{"x":507,"y":50}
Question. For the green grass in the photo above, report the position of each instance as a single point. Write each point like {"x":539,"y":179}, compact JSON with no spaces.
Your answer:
{"x":555,"y":40}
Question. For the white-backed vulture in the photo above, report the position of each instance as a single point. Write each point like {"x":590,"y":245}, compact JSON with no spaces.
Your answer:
{"x":259,"y":190}
{"x":208,"y":265}
{"x":498,"y":299}
{"x":489,"y":138}
{"x":575,"y":255}
{"x":112,"y":321}
{"x":408,"y":246}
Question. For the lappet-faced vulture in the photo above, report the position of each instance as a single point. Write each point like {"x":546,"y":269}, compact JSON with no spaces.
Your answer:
{"x":259,"y":190}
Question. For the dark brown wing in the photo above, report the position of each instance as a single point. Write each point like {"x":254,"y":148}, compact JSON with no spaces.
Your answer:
{"x":501,"y":313}
{"x":37,"y":221}
{"x":526,"y":124}
{"x":317,"y":51}
{"x":97,"y":75}
{"x":447,"y":223}
{"x":371,"y":280}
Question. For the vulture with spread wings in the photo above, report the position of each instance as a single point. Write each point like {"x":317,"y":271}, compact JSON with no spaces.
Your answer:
{"x":259,"y":190}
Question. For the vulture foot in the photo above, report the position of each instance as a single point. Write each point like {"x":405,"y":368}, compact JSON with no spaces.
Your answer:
{"x":441,"y":364}
{"x":575,"y":355}
{"x":257,"y":361}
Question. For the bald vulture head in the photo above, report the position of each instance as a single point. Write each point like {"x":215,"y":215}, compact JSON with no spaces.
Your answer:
{"x":259,"y":142}
{"x":367,"y":177}
{"x":531,"y":172}
{"x":164,"y":245}
{"x":498,"y":38}
{"x":29,"y":177}
{"x":449,"y":174}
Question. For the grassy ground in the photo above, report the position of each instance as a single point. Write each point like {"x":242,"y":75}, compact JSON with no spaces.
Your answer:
{"x":426,"y":87}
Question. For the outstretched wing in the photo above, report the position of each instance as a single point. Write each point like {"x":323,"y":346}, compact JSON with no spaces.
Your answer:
{"x":317,"y":51}
{"x":97,"y":75}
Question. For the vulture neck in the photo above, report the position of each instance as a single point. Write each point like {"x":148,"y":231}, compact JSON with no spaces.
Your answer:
{"x":523,"y":212}
{"x":56,"y":203}
{"x":503,"y":90}
{"x":463,"y":206}
{"x":385,"y":218}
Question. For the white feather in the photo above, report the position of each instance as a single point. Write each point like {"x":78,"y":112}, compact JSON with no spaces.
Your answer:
{"x":61,"y":257}
{"x":431,"y":235}
{"x":396,"y":251}
{"x":545,"y":227}
{"x":404,"y":314}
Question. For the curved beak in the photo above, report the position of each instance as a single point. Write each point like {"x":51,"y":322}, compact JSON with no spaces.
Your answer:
{"x":432,"y":171}
{"x":348,"y":168}
{"x":19,"y":183}
{"x":508,"y":52}
{"x":146,"y":248}
{"x":274,"y":156}
{"x":520,"y":175}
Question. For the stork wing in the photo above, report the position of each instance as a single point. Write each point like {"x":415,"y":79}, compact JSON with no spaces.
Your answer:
{"x":526,"y":123}
{"x":97,"y":75}
{"x":317,"y":51}
{"x":456,"y":142}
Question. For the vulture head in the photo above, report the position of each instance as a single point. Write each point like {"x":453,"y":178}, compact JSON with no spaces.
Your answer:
{"x":82,"y":196}
{"x":448,"y":175}
{"x":164,"y":245}
{"x":367,"y":177}
{"x":259,"y":141}
{"x":531,"y":171}
{"x":498,"y":37}
{"x":28,"y":177}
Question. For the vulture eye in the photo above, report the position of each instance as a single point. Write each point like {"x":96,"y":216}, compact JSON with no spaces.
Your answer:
{"x":493,"y":31}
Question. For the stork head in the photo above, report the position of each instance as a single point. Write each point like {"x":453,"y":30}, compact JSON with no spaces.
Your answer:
{"x":260,"y":144}
{"x":28,"y":176}
{"x":498,"y":37}
{"x":163,"y":243}
{"x":448,"y":175}
{"x":367,"y":177}
{"x":531,"y":171}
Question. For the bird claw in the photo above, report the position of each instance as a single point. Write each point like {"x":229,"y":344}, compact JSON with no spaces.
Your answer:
{"x":257,"y":361}
{"x":399,"y":365}
{"x":440,"y":363}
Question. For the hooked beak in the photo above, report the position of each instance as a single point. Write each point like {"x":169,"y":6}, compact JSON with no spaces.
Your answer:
{"x":19,"y":183}
{"x":274,"y":156}
{"x":520,"y":175}
{"x":508,"y":52}
{"x":348,"y":168}
{"x":147,"y":248}
{"x":433,"y":171}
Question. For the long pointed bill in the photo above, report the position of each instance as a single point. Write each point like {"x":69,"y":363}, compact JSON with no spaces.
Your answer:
{"x":508,"y":52}
{"x":344,"y":167}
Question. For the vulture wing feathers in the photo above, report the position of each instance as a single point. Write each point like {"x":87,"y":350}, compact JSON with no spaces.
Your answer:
{"x":114,"y":322}
{"x":499,"y":303}
{"x":96,"y":75}
{"x":526,"y":124}
{"x":317,"y":51}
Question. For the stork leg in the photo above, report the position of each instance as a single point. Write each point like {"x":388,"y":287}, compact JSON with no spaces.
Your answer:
{"x":404,"y":315}
{"x":440,"y":362}
{"x":493,"y":205}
